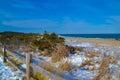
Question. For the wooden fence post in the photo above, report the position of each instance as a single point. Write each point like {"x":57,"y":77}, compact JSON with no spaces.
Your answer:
{"x":4,"y":54}
{"x":28,"y":61}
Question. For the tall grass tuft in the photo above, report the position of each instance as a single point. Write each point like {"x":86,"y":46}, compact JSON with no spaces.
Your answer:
{"x":59,"y":53}
{"x":65,"y":66}
{"x":40,"y":76}
{"x":0,"y":51}
{"x":47,"y":66}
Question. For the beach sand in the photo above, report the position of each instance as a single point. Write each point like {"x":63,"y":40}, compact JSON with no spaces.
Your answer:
{"x":111,"y":42}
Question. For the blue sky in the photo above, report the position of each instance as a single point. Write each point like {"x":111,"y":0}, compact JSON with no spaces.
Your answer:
{"x":60,"y":16}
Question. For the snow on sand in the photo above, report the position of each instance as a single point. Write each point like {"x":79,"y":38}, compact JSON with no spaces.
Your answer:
{"x":7,"y":73}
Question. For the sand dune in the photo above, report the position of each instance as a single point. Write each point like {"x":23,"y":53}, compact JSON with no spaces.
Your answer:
{"x":111,"y":42}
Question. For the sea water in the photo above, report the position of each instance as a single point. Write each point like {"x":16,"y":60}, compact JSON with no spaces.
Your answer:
{"x":109,"y":36}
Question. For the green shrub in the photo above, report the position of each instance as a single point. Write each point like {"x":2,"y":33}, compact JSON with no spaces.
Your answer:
{"x":44,"y":45}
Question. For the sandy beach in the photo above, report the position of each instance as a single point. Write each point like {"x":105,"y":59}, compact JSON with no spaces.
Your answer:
{"x":111,"y":42}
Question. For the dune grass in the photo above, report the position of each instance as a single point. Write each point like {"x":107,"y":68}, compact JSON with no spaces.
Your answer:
{"x":92,"y":54}
{"x":59,"y":53}
{"x":0,"y":51}
{"x":65,"y":66}
{"x":40,"y":76}
{"x":47,"y":66}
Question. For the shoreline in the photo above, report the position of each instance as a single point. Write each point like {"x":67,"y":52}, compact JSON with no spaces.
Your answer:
{"x":103,"y":36}
{"x":112,"y":42}
{"x":91,"y":38}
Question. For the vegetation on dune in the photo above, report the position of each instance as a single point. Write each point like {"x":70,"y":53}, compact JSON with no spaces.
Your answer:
{"x":40,"y":76}
{"x":14,"y":40}
{"x":44,"y":41}
{"x":47,"y":66}
{"x":101,"y":60}
{"x":47,"y":41}
{"x":37,"y":76}
{"x":0,"y":51}
{"x":92,"y":54}
{"x":59,"y":53}
{"x":65,"y":66}
{"x":50,"y":44}
{"x":17,"y":62}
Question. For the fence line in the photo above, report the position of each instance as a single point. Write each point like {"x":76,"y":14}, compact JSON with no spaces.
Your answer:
{"x":28,"y":61}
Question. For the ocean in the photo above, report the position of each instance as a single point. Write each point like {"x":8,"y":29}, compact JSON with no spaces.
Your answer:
{"x":109,"y":36}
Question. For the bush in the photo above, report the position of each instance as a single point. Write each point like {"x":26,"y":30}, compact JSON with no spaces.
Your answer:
{"x":53,"y":38}
{"x":44,"y":45}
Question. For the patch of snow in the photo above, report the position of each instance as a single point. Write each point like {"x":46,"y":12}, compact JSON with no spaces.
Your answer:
{"x":79,"y":44}
{"x":84,"y":44}
{"x":95,"y":59}
{"x":113,"y":68}
{"x":7,"y":73}
{"x":75,"y":60}
{"x":118,"y":62}
{"x":82,"y":74}
{"x":1,"y":60}
{"x":24,"y":66}
{"x":97,"y":66}
{"x":96,"y":49}
{"x":44,"y":58}
{"x":105,"y":45}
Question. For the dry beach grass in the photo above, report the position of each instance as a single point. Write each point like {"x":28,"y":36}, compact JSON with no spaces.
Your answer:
{"x":107,"y":68}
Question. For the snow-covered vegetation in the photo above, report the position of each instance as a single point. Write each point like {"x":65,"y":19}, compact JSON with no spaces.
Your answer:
{"x":94,"y":62}
{"x":89,"y":61}
{"x":71,"y":59}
